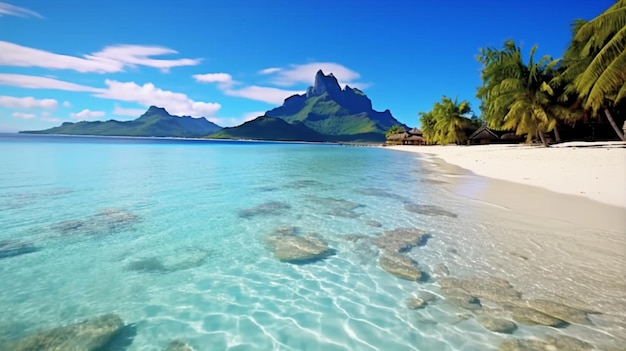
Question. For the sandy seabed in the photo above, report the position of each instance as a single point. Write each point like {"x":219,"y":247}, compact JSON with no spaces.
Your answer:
{"x":570,"y":204}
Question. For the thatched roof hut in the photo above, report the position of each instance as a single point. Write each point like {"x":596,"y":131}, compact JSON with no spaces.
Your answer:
{"x":483,"y":135}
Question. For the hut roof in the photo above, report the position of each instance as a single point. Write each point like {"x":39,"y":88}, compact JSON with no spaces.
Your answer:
{"x":483,"y":133}
{"x":415,"y":131}
{"x":415,"y":137}
{"x":397,"y":136}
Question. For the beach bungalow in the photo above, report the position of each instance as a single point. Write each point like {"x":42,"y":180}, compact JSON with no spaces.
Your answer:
{"x":482,"y":136}
{"x":411,"y":137}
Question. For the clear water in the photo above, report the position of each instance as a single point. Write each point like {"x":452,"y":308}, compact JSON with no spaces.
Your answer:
{"x":178,"y":262}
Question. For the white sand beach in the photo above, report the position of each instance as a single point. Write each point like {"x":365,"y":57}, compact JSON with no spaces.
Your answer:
{"x":582,"y":169}
{"x":570,"y":204}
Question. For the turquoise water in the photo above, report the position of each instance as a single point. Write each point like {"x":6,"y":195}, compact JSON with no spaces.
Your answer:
{"x":150,"y":229}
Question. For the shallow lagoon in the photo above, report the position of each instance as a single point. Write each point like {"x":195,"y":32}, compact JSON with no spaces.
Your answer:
{"x":170,"y":235}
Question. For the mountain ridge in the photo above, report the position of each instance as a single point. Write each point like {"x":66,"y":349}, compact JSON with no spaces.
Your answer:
{"x":155,"y":122}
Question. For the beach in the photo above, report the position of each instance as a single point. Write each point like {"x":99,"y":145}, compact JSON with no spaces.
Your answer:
{"x":570,"y":203}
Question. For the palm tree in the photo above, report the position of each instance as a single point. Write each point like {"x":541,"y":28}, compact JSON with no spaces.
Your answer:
{"x":450,"y":117}
{"x":428,"y":122}
{"x":517,"y":96}
{"x":595,"y":61}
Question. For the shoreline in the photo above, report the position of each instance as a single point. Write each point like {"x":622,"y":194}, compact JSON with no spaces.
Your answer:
{"x":596,"y":173}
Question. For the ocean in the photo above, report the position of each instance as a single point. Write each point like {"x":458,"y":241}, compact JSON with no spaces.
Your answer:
{"x":175,"y":237}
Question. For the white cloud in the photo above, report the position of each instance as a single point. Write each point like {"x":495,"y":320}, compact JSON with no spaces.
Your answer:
{"x":148,"y":94}
{"x":35,"y":82}
{"x":297,"y":74}
{"x":265,"y":94}
{"x":67,"y":104}
{"x":270,"y":70}
{"x":87,"y":114}
{"x":138,"y":55}
{"x":12,"y":10}
{"x":110,"y":59}
{"x":252,"y":115}
{"x":133,"y":112}
{"x":224,"y":80}
{"x":21,"y":115}
{"x":27,"y":102}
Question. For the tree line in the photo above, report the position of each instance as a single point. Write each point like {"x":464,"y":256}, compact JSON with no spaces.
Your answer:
{"x":536,"y":97}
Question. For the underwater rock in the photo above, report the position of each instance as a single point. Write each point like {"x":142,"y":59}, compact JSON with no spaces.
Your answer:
{"x":297,"y":249}
{"x":441,"y":270}
{"x":459,"y":298}
{"x":373,"y":223}
{"x":147,"y":265}
{"x":187,"y":260}
{"x":89,"y":335}
{"x":400,"y":239}
{"x":336,"y":203}
{"x":429,"y":210}
{"x":530,"y":316}
{"x":12,"y":248}
{"x":178,"y":345}
{"x":494,"y":289}
{"x":420,"y":301}
{"x":560,"y":311}
{"x":106,"y":221}
{"x":399,"y":265}
{"x":115,"y":218}
{"x":551,"y":342}
{"x":497,"y":325}
{"x":268,"y":208}
{"x":342,"y":212}
{"x":381,"y":193}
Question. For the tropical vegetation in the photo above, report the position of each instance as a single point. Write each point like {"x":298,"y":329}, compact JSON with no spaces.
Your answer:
{"x":446,"y":122}
{"x":534,"y":97}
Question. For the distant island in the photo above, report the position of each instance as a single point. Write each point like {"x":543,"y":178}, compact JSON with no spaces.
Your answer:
{"x":326,"y":113}
{"x":155,"y":122}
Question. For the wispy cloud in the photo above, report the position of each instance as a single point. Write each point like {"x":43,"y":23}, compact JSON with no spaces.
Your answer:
{"x":122,"y":111}
{"x":21,"y":115}
{"x":235,"y":121}
{"x":298,"y":74}
{"x":12,"y":10}
{"x":36,"y":82}
{"x":67,"y":104}
{"x":265,"y":94}
{"x":148,"y":94}
{"x":87,"y":114}
{"x":138,"y":55}
{"x":110,"y":59}
{"x":224,"y":80}
{"x":270,"y":70}
{"x":27,"y":102}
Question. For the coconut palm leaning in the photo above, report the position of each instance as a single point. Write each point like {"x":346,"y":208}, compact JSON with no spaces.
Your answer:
{"x":516,"y":96}
{"x":595,"y":62}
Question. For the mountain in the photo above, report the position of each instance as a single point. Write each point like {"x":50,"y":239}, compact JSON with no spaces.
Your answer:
{"x":155,"y":122}
{"x":341,"y":114}
{"x":267,"y":128}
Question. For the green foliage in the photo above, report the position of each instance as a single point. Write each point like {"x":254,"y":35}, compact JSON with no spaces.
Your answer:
{"x":516,"y":96}
{"x":267,"y":128}
{"x":446,"y":122}
{"x":395,"y":129}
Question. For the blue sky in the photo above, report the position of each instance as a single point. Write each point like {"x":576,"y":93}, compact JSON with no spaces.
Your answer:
{"x":233,"y":60}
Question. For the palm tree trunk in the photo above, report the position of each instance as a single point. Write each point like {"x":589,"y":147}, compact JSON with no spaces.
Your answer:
{"x":557,"y":135}
{"x":613,"y":124}
{"x":542,"y":137}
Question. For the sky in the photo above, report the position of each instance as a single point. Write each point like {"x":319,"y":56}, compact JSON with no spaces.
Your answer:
{"x":230,"y":61}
